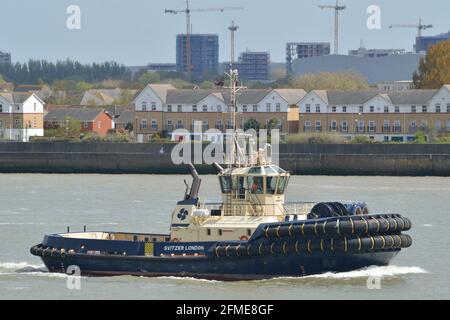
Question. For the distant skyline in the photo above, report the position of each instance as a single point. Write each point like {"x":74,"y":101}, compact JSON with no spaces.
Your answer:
{"x":137,"y":32}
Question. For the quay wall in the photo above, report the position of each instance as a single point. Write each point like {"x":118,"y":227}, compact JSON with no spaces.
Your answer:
{"x":146,"y":158}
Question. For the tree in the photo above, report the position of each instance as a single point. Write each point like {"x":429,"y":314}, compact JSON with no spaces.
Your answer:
{"x":330,"y":81}
{"x":433,"y":71}
{"x":1,"y":79}
{"x":149,"y":77}
{"x":251,"y":124}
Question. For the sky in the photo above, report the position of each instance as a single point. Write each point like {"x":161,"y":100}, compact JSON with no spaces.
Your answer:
{"x":137,"y":32}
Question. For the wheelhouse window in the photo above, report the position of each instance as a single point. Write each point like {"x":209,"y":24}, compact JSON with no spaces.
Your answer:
{"x":225,"y":184}
{"x":271,"y":184}
{"x":282,"y":182}
{"x":256,"y":184}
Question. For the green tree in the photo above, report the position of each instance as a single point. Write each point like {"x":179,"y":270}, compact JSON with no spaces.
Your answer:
{"x":434,"y":68}
{"x":251,"y":124}
{"x":1,"y":79}
{"x":149,"y":77}
{"x":330,"y":81}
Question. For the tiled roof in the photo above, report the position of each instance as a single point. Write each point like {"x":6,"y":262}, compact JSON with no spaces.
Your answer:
{"x":161,"y":90}
{"x":125,"y":117}
{"x":350,"y":97}
{"x":82,"y":114}
{"x":16,"y":97}
{"x":187,"y":96}
{"x":292,"y":96}
{"x":412,"y":96}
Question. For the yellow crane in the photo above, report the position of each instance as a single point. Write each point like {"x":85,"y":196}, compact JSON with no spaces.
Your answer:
{"x":188,"y":11}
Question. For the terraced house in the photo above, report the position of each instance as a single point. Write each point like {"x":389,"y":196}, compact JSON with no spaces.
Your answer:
{"x":21,"y":116}
{"x":164,"y":108}
{"x":391,"y":116}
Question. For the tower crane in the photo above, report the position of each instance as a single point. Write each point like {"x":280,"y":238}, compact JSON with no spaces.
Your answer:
{"x":188,"y":11}
{"x":419,"y":26}
{"x":336,"y":9}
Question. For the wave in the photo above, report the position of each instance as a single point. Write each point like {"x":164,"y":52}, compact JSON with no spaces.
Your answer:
{"x":28,"y":269}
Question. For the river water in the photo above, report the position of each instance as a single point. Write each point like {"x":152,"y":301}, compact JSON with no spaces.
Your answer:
{"x":34,"y":204}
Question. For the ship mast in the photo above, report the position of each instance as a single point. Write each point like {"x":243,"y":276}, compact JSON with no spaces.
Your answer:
{"x":232,"y":109}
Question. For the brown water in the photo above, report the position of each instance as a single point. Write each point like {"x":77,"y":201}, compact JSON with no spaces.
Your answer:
{"x":35,"y":204}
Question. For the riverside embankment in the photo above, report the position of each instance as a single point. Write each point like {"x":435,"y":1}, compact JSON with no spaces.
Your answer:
{"x":306,"y":159}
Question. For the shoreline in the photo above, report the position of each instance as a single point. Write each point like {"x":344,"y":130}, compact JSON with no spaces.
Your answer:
{"x":299,"y":159}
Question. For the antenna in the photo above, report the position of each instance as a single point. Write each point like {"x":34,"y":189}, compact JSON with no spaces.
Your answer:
{"x":233,"y":28}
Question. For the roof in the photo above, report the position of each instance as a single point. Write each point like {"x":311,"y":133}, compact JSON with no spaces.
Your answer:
{"x":29,"y":87}
{"x":412,"y":96}
{"x":82,"y":114}
{"x":350,"y":97}
{"x":17,"y":97}
{"x":188,"y":96}
{"x":125,"y":117}
{"x":250,"y":96}
{"x":161,"y":90}
{"x":292,"y":96}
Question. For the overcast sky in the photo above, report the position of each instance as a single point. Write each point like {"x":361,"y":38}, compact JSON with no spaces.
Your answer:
{"x":136,"y":32}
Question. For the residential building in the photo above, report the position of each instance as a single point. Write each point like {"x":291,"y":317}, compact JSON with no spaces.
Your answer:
{"x":124,"y":120}
{"x":164,"y":108}
{"x":105,"y":97}
{"x":424,"y":43}
{"x":204,"y":53}
{"x":5,"y":58}
{"x":42,"y":90}
{"x":253,"y":66}
{"x":21,"y":116}
{"x":300,"y":50}
{"x":94,"y":120}
{"x":390,"y":68}
{"x":395,"y":85}
{"x":381,"y":116}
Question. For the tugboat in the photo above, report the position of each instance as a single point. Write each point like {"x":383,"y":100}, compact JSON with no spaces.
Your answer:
{"x":252,"y":234}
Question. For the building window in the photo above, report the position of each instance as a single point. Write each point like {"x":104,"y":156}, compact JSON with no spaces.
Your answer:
{"x":255,"y":108}
{"x":179,"y":124}
{"x":278,"y":107}
{"x":448,"y":108}
{"x":361,"y":109}
{"x":344,"y":109}
{"x":397,"y":109}
{"x":144,"y":106}
{"x":194,"y":108}
{"x":438,"y":108}
{"x":386,"y":125}
{"x":154,"y":124}
{"x":153,"y":106}
{"x":205,"y":125}
{"x":413,"y":109}
{"x":219,"y":108}
{"x":386,"y":109}
{"x":169,"y":108}
{"x":144,"y":124}
{"x":1,"y":123}
{"x":17,"y":123}
{"x":85,"y":124}
{"x":318,"y":125}
{"x":244,"y":108}
{"x":333,"y":109}
{"x":397,"y":126}
{"x":179,"y":108}
{"x":307,"y":125}
{"x":424,"y":109}
{"x":372,"y":109}
{"x":424,"y":124}
{"x":1,"y":108}
{"x":372,"y":127}
{"x":205,"y":108}
{"x":99,"y":125}
{"x":360,"y":126}
{"x":318,"y":108}
{"x":344,"y":126}
{"x":413,"y":124}
{"x":308,"y":108}
{"x":333,"y":125}
{"x":268,"y":107}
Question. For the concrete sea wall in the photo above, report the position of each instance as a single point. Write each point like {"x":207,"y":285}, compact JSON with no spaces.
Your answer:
{"x":319,"y":159}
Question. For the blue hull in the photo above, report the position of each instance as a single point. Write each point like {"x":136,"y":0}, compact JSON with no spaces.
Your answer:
{"x":210,"y":267}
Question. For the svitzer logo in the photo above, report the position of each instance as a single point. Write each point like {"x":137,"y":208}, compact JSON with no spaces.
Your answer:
{"x":182,"y":214}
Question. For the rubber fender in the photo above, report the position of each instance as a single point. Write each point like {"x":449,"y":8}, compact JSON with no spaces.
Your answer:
{"x":321,"y":210}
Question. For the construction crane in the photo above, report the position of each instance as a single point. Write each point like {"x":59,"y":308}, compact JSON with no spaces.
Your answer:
{"x":188,"y":11}
{"x":233,"y":28}
{"x":336,"y":9}
{"x":419,"y":26}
